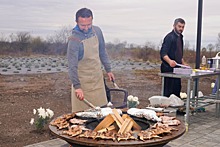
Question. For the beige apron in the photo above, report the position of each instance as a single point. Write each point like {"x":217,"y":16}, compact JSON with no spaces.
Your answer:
{"x":90,"y":76}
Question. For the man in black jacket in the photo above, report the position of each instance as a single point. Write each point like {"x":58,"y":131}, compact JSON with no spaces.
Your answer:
{"x":171,"y":53}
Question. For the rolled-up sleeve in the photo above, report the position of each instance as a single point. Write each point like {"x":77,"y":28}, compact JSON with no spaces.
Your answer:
{"x":72,"y":57}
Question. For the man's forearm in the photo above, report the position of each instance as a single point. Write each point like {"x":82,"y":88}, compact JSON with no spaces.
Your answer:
{"x":172,"y":63}
{"x":167,"y":59}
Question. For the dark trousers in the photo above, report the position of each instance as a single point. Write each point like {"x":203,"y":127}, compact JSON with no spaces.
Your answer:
{"x":171,"y":85}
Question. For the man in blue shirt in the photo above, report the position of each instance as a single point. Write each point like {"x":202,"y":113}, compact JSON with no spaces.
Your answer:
{"x":86,"y":54}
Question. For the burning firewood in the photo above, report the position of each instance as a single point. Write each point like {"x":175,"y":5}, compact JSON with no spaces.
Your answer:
{"x":124,"y":123}
{"x":118,"y":118}
{"x":126,"y":126}
{"x":106,"y":122}
{"x":135,"y":125}
{"x":110,"y":128}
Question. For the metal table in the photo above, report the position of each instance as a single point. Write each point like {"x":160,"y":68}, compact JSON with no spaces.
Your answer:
{"x":193,"y":77}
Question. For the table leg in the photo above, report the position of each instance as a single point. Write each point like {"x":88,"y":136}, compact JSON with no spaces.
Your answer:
{"x":217,"y":109}
{"x":162,"y":90}
{"x":188,"y":102}
{"x":194,"y":92}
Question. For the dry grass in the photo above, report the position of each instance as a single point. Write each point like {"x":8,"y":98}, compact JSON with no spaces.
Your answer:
{"x":152,"y":55}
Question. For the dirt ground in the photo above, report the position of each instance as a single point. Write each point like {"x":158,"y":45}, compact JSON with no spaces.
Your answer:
{"x":20,"y":94}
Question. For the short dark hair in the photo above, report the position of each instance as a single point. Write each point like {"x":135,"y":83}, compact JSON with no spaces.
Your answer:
{"x":84,"y":13}
{"x":180,"y":20}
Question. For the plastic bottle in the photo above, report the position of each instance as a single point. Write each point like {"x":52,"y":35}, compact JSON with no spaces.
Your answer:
{"x":186,"y":123}
{"x":203,"y":65}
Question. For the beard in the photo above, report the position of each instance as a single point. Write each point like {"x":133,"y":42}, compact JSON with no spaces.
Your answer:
{"x":178,"y":31}
{"x":86,"y":31}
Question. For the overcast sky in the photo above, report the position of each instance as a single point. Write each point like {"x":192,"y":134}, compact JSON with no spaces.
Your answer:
{"x":134,"y":21}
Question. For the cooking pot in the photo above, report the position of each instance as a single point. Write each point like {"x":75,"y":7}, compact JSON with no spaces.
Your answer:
{"x":214,"y":63}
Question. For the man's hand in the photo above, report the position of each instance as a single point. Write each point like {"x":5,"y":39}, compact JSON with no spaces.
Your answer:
{"x":79,"y":94}
{"x":111,"y":76}
{"x":172,"y":63}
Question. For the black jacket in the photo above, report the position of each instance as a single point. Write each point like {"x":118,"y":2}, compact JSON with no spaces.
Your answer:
{"x":169,"y":48}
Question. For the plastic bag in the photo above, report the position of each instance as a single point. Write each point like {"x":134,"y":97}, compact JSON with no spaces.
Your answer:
{"x":175,"y":101}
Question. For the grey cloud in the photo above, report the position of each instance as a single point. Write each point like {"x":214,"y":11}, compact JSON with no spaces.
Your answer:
{"x":136,"y":21}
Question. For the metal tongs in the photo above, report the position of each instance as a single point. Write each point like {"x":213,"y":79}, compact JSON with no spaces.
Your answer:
{"x":88,"y":103}
{"x":98,"y":109}
{"x":116,"y":86}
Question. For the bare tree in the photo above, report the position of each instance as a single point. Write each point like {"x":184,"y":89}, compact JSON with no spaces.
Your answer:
{"x":60,"y":36}
{"x":23,"y":37}
{"x":218,"y":43}
{"x":38,"y":45}
{"x":210,"y":47}
{"x":116,"y":41}
{"x":12,"y":37}
{"x":59,"y":40}
{"x":149,"y":44}
{"x":186,"y":45}
{"x":3,"y":43}
{"x":3,"y":38}
{"x":204,"y":50}
{"x":23,"y":40}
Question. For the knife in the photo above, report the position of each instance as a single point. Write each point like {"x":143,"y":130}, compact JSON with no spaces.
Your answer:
{"x":181,"y":65}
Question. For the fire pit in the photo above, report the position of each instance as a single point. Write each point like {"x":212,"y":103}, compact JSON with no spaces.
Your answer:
{"x":142,"y":122}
